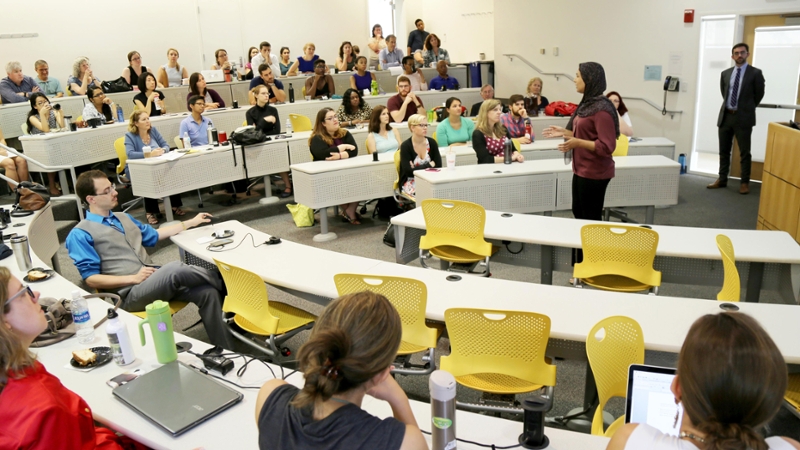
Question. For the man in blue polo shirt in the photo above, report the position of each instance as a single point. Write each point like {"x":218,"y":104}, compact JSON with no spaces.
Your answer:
{"x":196,"y":125}
{"x":267,"y":78}
{"x":108,"y":250}
{"x":443,"y":80}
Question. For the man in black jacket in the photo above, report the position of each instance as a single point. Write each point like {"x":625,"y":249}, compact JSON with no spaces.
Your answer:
{"x":742,"y":88}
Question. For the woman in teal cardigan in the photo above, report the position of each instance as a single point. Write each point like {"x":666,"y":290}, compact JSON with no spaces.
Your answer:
{"x":455,"y":130}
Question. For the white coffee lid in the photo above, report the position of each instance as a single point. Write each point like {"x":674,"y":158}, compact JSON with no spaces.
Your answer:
{"x":442,"y":385}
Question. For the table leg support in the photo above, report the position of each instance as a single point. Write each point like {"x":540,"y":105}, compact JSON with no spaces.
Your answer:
{"x":650,"y":215}
{"x":399,"y":240}
{"x":268,"y":197}
{"x":754,"y":279}
{"x":547,"y":264}
{"x":324,"y":235}
{"x":62,"y":178}
{"x":168,"y":209}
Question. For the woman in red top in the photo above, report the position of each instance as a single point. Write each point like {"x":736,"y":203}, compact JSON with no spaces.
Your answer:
{"x":591,"y":134}
{"x":36,"y":410}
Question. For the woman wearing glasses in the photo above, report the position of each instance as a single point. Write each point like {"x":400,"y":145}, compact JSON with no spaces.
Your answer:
{"x":135,"y":69}
{"x":417,"y":152}
{"x":329,"y":142}
{"x":36,"y":410}
{"x":140,"y":134}
{"x":42,"y":118}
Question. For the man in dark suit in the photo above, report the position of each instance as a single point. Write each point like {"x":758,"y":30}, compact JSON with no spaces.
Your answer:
{"x":742,"y":88}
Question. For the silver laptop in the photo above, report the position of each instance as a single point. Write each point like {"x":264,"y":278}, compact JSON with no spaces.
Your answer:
{"x":213,"y":76}
{"x":176,"y":397}
{"x":650,"y":399}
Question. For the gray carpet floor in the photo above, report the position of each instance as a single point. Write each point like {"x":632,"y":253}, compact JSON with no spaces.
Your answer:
{"x":698,"y":207}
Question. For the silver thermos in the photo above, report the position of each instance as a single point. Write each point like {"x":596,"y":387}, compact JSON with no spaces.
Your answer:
{"x":442,"y":386}
{"x":508,"y":151}
{"x":19,"y":245}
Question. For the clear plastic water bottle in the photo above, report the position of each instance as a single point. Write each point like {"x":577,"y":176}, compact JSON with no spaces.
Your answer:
{"x":682,"y":162}
{"x":288,"y":126}
{"x":187,"y":143}
{"x":83,"y":321}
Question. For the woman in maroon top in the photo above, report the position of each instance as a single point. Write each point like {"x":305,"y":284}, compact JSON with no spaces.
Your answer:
{"x":591,"y":134}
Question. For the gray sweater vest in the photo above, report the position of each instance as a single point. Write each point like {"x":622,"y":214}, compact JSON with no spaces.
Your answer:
{"x":120,"y":254}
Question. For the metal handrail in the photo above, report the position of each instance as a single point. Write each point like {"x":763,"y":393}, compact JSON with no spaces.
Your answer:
{"x":511,"y":57}
{"x":774,"y":106}
{"x":51,"y":169}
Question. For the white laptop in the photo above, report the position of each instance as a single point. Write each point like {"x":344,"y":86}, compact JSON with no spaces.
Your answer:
{"x":650,"y":399}
{"x":213,"y":76}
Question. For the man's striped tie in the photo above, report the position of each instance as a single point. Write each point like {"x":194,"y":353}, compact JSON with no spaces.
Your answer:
{"x":735,"y":93}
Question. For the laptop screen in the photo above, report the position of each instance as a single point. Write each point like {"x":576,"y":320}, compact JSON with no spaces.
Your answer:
{"x":650,"y":399}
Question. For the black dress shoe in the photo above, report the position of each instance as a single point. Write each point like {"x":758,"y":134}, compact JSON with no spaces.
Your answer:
{"x":285,"y":194}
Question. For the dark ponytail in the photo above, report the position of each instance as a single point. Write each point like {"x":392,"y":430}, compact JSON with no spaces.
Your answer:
{"x":731,"y":436}
{"x":355,"y":339}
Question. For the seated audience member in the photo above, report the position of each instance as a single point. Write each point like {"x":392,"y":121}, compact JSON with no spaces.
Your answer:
{"x":140,"y":134}
{"x":431,"y":52}
{"x":320,"y":84}
{"x":391,"y":56}
{"x":221,"y":61}
{"x":172,"y":74}
{"x":49,"y":85}
{"x":490,"y":136}
{"x":535,"y":102}
{"x":417,"y":153}
{"x":36,"y":410}
{"x":108,"y":250}
{"x":405,"y":104}
{"x":731,"y":380}
{"x":266,"y":77}
{"x":149,"y":99}
{"x":306,"y":63}
{"x":413,"y":75}
{"x":197,"y":86}
{"x":196,"y":125}
{"x":82,"y":78}
{"x":135,"y":69}
{"x":348,"y":355}
{"x":625,"y":126}
{"x":514,"y":120}
{"x":487,"y":92}
{"x":443,"y":80}
{"x":361,"y":79}
{"x":17,"y":168}
{"x":266,"y":57}
{"x":382,"y":136}
{"x":42,"y":118}
{"x":455,"y":130}
{"x":265,"y":117}
{"x":285,"y":63}
{"x":98,"y":107}
{"x":16,"y":87}
{"x":353,"y":110}
{"x":416,"y":38}
{"x":329,"y":142}
{"x":347,"y":59}
{"x":376,"y":44}
{"x":249,"y":70}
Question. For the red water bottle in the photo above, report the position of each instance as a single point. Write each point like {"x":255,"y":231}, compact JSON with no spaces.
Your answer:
{"x":528,"y":130}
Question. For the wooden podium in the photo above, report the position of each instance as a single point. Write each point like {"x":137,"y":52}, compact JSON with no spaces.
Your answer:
{"x":779,"y":208}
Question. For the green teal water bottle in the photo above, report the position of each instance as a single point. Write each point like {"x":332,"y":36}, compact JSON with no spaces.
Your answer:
{"x":160,"y":320}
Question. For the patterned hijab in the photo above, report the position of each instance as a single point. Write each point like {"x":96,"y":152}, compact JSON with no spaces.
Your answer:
{"x":593,"y":101}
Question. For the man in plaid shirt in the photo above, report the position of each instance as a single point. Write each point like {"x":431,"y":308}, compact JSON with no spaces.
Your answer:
{"x":514,"y":120}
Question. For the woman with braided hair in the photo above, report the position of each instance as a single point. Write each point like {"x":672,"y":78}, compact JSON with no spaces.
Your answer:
{"x":731,"y":381}
{"x":348,"y":355}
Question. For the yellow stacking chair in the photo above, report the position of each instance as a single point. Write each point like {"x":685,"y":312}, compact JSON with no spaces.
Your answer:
{"x":454,"y":235}
{"x":122,"y":155}
{"x":254,"y":313}
{"x":793,"y":393}
{"x":618,"y":258}
{"x":622,"y":146}
{"x":410,"y":298}
{"x":730,"y":287}
{"x":620,"y":150}
{"x":609,"y":357}
{"x":499,"y":352}
{"x":300,"y":122}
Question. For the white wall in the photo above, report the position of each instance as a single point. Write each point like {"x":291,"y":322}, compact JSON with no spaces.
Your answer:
{"x":107,"y":34}
{"x":623,"y":36}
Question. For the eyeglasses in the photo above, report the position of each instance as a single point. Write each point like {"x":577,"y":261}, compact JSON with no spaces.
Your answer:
{"x":743,"y":52}
{"x":22,"y":291}
{"x":110,"y":189}
{"x":331,"y":119}
{"x":422,"y":125}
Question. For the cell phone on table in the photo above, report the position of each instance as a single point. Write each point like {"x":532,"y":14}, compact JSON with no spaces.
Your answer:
{"x":220,"y":243}
{"x":124,"y":378}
